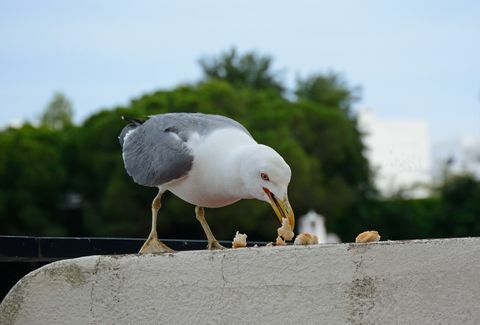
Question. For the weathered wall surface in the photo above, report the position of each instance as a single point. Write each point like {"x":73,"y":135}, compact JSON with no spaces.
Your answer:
{"x":412,"y":282}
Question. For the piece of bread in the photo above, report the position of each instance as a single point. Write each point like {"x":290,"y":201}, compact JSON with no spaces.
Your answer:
{"x":306,"y":238}
{"x":285,"y":231}
{"x":367,"y":236}
{"x":280,"y":241}
{"x":240,"y":240}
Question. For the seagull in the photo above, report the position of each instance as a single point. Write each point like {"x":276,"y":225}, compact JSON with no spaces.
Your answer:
{"x":209,"y":161}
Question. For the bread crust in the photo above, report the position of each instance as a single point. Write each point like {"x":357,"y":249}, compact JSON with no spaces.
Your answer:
{"x":368,"y":236}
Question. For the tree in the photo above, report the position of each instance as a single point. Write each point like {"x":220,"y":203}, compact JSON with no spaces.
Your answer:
{"x":247,"y":70}
{"x":328,"y":90}
{"x":58,"y":114}
{"x":460,"y":197}
{"x":32,"y":180}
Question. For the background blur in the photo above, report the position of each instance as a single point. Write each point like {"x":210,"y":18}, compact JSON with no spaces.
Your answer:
{"x":375,"y":105}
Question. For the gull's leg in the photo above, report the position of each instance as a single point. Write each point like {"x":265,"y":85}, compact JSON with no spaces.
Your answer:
{"x":152,"y":244}
{"x":212,"y":242}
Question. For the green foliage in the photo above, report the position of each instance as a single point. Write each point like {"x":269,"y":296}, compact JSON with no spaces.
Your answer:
{"x":394,"y":218}
{"x":328,"y":90}
{"x":452,"y":212}
{"x":58,"y":113}
{"x":250,"y":70}
{"x":460,"y":197}
{"x":32,"y":177}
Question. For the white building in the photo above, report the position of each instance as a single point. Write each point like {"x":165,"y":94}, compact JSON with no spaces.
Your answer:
{"x":399,"y":153}
{"x":314,"y":223}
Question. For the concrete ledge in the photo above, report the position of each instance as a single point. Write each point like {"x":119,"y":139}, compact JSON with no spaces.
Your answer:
{"x":406,"y":282}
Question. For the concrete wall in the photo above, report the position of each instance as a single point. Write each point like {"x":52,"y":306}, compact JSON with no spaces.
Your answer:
{"x":412,"y":282}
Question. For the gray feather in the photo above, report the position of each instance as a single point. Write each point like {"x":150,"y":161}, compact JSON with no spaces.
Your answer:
{"x":133,"y":123}
{"x":155,"y":152}
{"x":125,"y":130}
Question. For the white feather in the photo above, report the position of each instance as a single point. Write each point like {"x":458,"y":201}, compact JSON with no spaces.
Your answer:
{"x":214,"y":179}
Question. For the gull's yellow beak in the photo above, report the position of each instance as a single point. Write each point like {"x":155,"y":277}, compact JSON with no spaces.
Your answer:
{"x":282,"y":208}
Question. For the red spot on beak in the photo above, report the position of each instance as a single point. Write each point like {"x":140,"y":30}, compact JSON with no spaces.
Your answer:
{"x":266,"y":190}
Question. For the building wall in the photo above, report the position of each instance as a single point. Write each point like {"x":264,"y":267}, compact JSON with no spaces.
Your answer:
{"x":399,"y":152}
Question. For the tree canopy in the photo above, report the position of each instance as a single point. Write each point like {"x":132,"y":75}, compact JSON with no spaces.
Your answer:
{"x":248,"y":70}
{"x":58,"y":113}
{"x":328,"y":90}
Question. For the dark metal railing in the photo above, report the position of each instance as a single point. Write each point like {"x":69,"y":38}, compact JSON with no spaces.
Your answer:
{"x":49,"y":249}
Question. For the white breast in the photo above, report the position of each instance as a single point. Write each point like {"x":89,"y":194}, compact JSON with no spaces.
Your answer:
{"x":211,"y":181}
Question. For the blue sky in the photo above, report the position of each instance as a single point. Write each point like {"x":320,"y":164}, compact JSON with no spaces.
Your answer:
{"x":413,"y":59}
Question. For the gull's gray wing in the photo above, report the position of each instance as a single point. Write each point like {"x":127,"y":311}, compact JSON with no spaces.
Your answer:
{"x":156,"y":152}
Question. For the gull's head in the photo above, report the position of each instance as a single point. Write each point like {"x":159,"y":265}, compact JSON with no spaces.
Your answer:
{"x":266,"y":176}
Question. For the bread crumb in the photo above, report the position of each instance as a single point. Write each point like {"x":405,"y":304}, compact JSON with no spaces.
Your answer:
{"x":270,"y":244}
{"x":285,"y":231}
{"x":368,"y":236}
{"x":306,"y":238}
{"x":240,"y":240}
{"x":280,"y":241}
{"x":255,"y":246}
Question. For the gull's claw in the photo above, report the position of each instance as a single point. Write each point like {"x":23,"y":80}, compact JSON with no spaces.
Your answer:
{"x":155,"y":246}
{"x":214,"y":245}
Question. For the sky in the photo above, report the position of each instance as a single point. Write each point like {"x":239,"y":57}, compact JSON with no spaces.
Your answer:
{"x":412,"y":59}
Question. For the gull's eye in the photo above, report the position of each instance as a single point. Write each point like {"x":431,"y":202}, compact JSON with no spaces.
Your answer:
{"x":264,"y":177}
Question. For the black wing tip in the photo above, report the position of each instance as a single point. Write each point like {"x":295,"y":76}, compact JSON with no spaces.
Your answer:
{"x":132,"y":120}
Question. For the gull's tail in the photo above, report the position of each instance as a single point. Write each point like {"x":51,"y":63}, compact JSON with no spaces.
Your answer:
{"x":132,"y":120}
{"x":133,"y":123}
